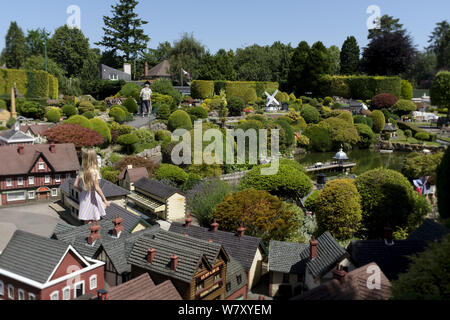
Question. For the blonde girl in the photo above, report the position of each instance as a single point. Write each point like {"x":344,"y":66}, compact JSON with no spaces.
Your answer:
{"x":92,"y":199}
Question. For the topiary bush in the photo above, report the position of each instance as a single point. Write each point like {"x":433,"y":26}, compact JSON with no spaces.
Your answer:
{"x":327,"y":101}
{"x":197,"y":113}
{"x":366,"y":135}
{"x":179,"y":120}
{"x":162,"y":111}
{"x":80,"y":120}
{"x":407,"y":90}
{"x":383,"y":100}
{"x":310,"y":202}
{"x":131,"y":105}
{"x":85,"y":106}
{"x":379,"y":121}
{"x":338,"y":209}
{"x":423,"y":136}
{"x":172,"y":173}
{"x":101,"y":127}
{"x":364,"y":120}
{"x":69,"y":110}
{"x":163,"y":135}
{"x":130,"y":90}
{"x":310,"y":114}
{"x":236,"y":106}
{"x":404,"y":107}
{"x":89,"y":115}
{"x":347,"y":116}
{"x":118,"y":114}
{"x":202,"y":89}
{"x":320,"y":138}
{"x":53,"y":115}
{"x":127,"y":141}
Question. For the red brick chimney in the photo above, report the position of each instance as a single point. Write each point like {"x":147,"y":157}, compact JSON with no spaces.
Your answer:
{"x":339,"y":273}
{"x":241,"y":231}
{"x":21,"y":149}
{"x":173,"y":262}
{"x":313,"y":247}
{"x":188,"y":220}
{"x":388,"y":237}
{"x":95,"y":233}
{"x":151,"y":255}
{"x":118,"y":228}
{"x":214,"y":226}
{"x":146,"y":69}
{"x":53,"y":148}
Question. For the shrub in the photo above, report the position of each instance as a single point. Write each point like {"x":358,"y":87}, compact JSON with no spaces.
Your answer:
{"x":130,"y":90}
{"x":347,"y":116}
{"x":162,"y":111}
{"x":69,"y":110}
{"x":108,"y":173}
{"x":303,"y":141}
{"x":404,"y":107}
{"x":32,"y":84}
{"x":310,"y":202}
{"x":246,"y":90}
{"x":342,"y":132}
{"x":367,"y":137}
{"x":423,"y":136}
{"x":414,"y":129}
{"x":288,"y":131}
{"x":85,"y":106}
{"x":262,"y":214}
{"x":236,"y":106}
{"x":379,"y":121}
{"x":198,"y":113}
{"x":338,"y":209}
{"x":164,"y":86}
{"x":203,"y":199}
{"x":289,"y":182}
{"x":421,"y":165}
{"x":131,"y":105}
{"x":158,"y":99}
{"x":101,"y":127}
{"x":127,"y":141}
{"x":137,"y":162}
{"x":310,"y":114}
{"x":163,"y":135}
{"x":383,"y":101}
{"x":327,"y":101}
{"x":387,"y":198}
{"x":88,"y":115}
{"x":121,"y":129}
{"x":364,"y":120}
{"x":73,"y":133}
{"x":320,"y":138}
{"x":202,"y":89}
{"x":172,"y":173}
{"x":443,"y":185}
{"x":3,"y":104}
{"x":179,"y":120}
{"x":407,"y":90}
{"x":53,"y":115}
{"x":118,"y":114}
{"x":30,"y":109}
{"x":80,"y":120}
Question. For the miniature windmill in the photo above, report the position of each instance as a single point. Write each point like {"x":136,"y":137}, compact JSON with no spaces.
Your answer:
{"x":271,"y":100}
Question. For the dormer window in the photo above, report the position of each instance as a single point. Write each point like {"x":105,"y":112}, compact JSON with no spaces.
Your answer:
{"x":41,"y":166}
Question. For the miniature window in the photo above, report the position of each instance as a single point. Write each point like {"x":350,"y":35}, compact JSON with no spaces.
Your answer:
{"x":2,"y":288}
{"x":20,"y":181}
{"x":54,"y":296}
{"x":31,"y":296}
{"x":66,"y":293}
{"x":31,"y":194}
{"x":11,"y":292}
{"x":9,"y":182}
{"x":93,"y":282}
{"x":31,"y":180}
{"x":239,"y":279}
{"x":200,"y":286}
{"x":41,"y":166}
{"x":47,"y":179}
{"x":228,"y":286}
{"x":54,"y":192}
{"x":21,"y":294}
{"x":58,"y":178}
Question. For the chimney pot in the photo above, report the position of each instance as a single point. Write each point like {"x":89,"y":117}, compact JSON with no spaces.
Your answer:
{"x":313,"y":247}
{"x":95,"y":233}
{"x":241,"y":231}
{"x":21,"y":149}
{"x":52,"y":148}
{"x":188,"y":220}
{"x":118,"y":228}
{"x":151,"y":255}
{"x":214,"y":226}
{"x":339,"y":273}
{"x":174,"y":262}
{"x":102,"y":294}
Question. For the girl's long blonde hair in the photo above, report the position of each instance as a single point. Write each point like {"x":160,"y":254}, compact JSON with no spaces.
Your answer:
{"x":89,"y":168}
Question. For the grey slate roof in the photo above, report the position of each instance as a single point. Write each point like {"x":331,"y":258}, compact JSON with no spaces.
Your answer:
{"x":235,"y":269}
{"x":429,"y":230}
{"x":295,"y":258}
{"x":190,"y":252}
{"x":116,"y":249}
{"x":130,"y":220}
{"x":110,"y":190}
{"x":32,"y":256}
{"x":242,"y":249}
{"x":392,"y":260}
{"x":156,"y":188}
{"x":13,"y":135}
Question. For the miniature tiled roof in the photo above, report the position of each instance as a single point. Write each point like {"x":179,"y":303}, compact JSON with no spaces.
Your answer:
{"x":295,"y":258}
{"x":392,"y":260}
{"x":117,"y":249}
{"x":352,"y":287}
{"x":242,"y":249}
{"x":36,"y":129}
{"x":135,"y":174}
{"x":156,"y":188}
{"x":429,"y":230}
{"x":32,"y":256}
{"x":160,"y":70}
{"x":130,"y":220}
{"x":389,"y":127}
{"x":64,"y":159}
{"x":110,"y":190}
{"x":190,"y":252}
{"x":235,"y":269}
{"x":143,"y":288}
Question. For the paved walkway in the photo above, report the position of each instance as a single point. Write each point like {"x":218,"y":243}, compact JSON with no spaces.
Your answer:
{"x":39,"y":219}
{"x":140,"y":122}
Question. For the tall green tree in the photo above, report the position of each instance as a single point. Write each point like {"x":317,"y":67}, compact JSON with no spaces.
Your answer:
{"x":350,"y":56}
{"x":35,"y":41}
{"x":69,"y":48}
{"x":15,"y":51}
{"x":335,"y":56}
{"x":186,"y":54}
{"x":298,"y":68}
{"x":440,"y":44}
{"x":440,"y":91}
{"x":319,"y":63}
{"x":123,"y":31}
{"x":422,"y":71}
{"x":388,"y":24}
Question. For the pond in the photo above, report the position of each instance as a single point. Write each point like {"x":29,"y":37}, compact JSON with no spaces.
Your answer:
{"x":365,"y":159}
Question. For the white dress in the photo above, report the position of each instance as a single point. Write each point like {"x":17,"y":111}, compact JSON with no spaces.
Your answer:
{"x":92,"y":206}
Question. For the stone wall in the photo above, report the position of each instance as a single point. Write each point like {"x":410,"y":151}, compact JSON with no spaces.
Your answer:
{"x":407,"y":147}
{"x":154,"y":154}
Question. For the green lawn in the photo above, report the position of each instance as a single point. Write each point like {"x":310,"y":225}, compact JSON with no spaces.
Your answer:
{"x":402,"y":139}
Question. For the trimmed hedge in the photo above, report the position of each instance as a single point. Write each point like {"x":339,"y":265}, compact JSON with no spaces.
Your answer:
{"x":407,"y":90}
{"x":53,"y":115}
{"x":179,"y":120}
{"x":69,"y":110}
{"x":358,"y":87}
{"x":79,"y":120}
{"x":415,"y":130}
{"x":101,"y":127}
{"x":118,"y":114}
{"x":32,"y":84}
{"x":204,"y":89}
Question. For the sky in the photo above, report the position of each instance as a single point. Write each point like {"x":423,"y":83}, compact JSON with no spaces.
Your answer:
{"x":232,"y":24}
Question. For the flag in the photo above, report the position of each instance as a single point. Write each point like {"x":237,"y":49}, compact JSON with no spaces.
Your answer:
{"x":188,"y":76}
